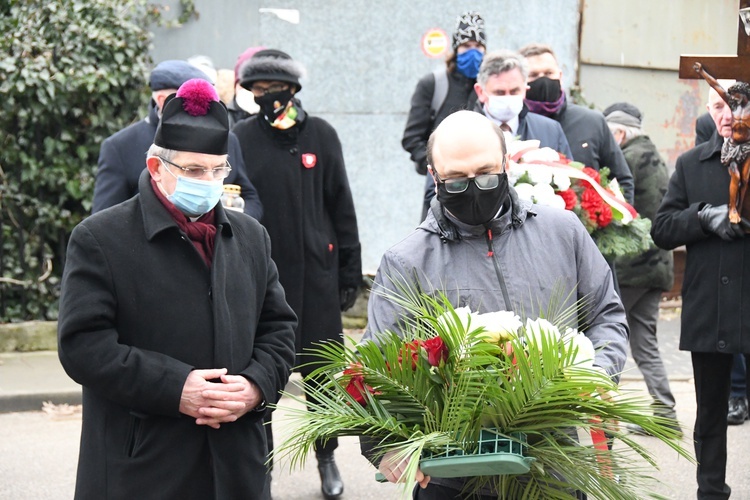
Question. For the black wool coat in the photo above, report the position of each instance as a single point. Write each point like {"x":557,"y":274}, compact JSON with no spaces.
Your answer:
{"x":716,"y":284}
{"x":139,"y":310}
{"x":309,"y":214}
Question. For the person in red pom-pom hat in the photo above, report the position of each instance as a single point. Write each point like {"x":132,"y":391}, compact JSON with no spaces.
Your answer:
{"x":173,"y":320}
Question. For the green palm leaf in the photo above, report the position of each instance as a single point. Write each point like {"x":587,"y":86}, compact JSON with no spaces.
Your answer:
{"x":395,"y":394}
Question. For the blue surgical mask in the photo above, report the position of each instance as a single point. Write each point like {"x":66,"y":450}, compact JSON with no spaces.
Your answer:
{"x":468,"y":62}
{"x":195,"y":197}
{"x":504,"y":108}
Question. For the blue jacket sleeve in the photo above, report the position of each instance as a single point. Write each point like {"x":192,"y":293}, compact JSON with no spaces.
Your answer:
{"x":253,"y":205}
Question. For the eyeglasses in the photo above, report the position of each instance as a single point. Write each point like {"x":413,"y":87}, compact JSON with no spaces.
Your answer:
{"x":271,"y":89}
{"x":198,"y":172}
{"x":484,"y":182}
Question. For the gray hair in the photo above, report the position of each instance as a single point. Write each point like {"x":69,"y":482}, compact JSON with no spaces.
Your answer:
{"x":167,"y":154}
{"x":629,"y":131}
{"x":500,"y":61}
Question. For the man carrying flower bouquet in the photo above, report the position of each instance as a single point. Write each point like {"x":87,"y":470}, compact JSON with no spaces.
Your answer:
{"x":484,"y":248}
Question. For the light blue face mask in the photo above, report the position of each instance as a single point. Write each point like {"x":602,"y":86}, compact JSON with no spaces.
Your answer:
{"x":195,"y":197}
{"x":468,"y":62}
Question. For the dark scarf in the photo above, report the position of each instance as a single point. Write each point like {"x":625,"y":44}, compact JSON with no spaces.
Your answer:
{"x":546,"y":108}
{"x":201,"y":233}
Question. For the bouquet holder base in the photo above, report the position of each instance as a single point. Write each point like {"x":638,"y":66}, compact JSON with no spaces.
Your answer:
{"x":496,"y":455}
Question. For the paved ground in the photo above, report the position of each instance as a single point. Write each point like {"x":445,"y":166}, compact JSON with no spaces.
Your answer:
{"x":38,"y":450}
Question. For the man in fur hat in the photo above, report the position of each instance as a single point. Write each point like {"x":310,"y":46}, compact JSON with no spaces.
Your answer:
{"x":173,"y":320}
{"x":296,"y":163}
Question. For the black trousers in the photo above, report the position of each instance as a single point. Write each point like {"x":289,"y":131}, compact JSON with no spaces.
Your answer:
{"x":711,"y":371}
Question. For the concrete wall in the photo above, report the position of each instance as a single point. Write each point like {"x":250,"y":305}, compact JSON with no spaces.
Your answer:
{"x":364,"y":59}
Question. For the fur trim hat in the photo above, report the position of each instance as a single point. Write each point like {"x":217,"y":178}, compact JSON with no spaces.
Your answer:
{"x":271,"y":65}
{"x":247,"y":54}
{"x":469,"y":27}
{"x":194,"y":120}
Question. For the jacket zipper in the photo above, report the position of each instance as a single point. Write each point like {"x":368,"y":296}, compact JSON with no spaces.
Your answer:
{"x":498,"y":271}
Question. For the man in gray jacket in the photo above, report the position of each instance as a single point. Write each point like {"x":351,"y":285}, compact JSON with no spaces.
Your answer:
{"x":490,"y":251}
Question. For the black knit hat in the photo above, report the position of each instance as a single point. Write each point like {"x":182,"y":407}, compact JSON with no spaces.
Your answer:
{"x":624,"y":113}
{"x":469,"y":27}
{"x":194,"y":120}
{"x":271,"y":65}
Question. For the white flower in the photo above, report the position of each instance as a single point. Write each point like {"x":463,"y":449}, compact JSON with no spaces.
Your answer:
{"x":540,"y":176}
{"x":543,"y":194}
{"x":447,"y":320}
{"x":539,"y":329}
{"x":524,"y":191}
{"x":561,"y":181}
{"x":515,"y":171}
{"x":499,"y":325}
{"x":584,"y":357}
{"x":541,"y":154}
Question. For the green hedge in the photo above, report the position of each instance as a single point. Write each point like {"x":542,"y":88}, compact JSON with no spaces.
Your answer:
{"x":71,"y":74}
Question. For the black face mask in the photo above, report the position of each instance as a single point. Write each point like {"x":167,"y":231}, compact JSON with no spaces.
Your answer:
{"x":268,"y":103}
{"x":475,"y":206}
{"x":544,"y":89}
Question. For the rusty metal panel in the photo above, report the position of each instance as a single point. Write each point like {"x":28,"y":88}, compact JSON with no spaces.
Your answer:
{"x":669,"y":105}
{"x":653,"y":33}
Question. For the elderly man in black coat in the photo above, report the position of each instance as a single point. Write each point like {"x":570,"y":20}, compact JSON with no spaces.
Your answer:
{"x":716,"y":287}
{"x":173,"y":320}
{"x":122,"y":155}
{"x":296,"y":162}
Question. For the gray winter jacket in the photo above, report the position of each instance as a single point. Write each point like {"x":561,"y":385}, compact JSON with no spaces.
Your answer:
{"x":527,"y":259}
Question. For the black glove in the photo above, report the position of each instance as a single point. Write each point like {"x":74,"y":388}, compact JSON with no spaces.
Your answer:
{"x":347,"y":297}
{"x":421,"y":166}
{"x":716,"y":220}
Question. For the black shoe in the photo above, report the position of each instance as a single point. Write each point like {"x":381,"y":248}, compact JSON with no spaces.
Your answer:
{"x":737,"y":413}
{"x":330,"y":479}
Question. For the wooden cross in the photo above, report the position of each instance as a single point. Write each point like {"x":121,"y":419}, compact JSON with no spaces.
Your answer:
{"x":726,"y":67}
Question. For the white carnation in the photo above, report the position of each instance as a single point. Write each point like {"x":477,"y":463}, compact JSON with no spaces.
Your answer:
{"x":562,"y":181}
{"x":540,"y":176}
{"x":525,"y":191}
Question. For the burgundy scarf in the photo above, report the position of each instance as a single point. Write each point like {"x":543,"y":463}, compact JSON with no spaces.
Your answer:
{"x":202,"y":232}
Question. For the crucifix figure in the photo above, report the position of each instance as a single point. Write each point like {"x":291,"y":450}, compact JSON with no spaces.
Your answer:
{"x":736,"y":152}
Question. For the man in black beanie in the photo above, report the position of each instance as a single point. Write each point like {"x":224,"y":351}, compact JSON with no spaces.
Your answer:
{"x":122,"y":155}
{"x":173,"y":320}
{"x":296,"y":162}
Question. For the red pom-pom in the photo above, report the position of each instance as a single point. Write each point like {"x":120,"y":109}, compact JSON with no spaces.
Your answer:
{"x":197,"y":96}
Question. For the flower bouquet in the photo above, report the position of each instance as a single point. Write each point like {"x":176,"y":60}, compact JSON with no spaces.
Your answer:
{"x":484,"y":396}
{"x":545,"y":177}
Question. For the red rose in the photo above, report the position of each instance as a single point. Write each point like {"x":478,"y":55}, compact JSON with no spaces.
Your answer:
{"x":356,"y":386}
{"x":594,"y":174}
{"x":570,"y":198}
{"x":410,"y":349}
{"x":437,"y":351}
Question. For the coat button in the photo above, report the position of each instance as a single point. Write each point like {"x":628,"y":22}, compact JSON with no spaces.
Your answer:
{"x":724,"y":280}
{"x":293,"y":151}
{"x":721,"y":344}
